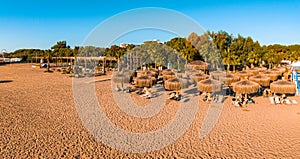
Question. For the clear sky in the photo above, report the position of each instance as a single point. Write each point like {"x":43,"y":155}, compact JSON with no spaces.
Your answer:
{"x":41,"y":23}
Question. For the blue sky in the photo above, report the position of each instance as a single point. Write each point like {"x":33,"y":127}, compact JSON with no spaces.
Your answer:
{"x":40,"y":24}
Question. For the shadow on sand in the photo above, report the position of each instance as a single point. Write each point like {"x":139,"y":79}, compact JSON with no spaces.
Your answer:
{"x":5,"y":81}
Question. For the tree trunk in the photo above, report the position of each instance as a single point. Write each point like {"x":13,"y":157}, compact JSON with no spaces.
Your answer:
{"x":104,"y":62}
{"x":228,"y":67}
{"x":233,"y":68}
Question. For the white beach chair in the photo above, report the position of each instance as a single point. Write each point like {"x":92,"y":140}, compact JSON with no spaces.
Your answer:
{"x":272,"y":100}
{"x":277,"y":101}
{"x":288,"y":102}
{"x":294,"y":102}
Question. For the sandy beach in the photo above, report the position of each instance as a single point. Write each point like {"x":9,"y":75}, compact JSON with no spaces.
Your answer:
{"x":38,"y":119}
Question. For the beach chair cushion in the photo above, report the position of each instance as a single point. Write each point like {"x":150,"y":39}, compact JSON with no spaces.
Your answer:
{"x":288,"y":102}
{"x":294,"y":101}
{"x":271,"y":100}
{"x":277,"y":101}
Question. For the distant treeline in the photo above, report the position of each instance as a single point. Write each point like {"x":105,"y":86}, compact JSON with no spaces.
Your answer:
{"x":217,"y":48}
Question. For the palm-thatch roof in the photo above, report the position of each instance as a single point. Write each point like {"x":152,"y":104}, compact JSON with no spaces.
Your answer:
{"x":261,"y":68}
{"x":145,"y":81}
{"x":168,"y":75}
{"x":228,"y":79}
{"x":198,"y":77}
{"x":209,"y":85}
{"x":217,"y":74}
{"x":176,"y":84}
{"x":245,"y":87}
{"x":277,"y":71}
{"x":283,"y":86}
{"x":244,"y":74}
{"x":272,"y":75}
{"x":261,"y":80}
{"x":120,"y":77}
{"x":197,"y":65}
{"x":166,"y":70}
{"x":253,"y":71}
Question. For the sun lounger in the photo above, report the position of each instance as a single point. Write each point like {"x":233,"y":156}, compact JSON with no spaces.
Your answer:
{"x":271,"y":100}
{"x":294,"y":102}
{"x":220,"y":99}
{"x":288,"y":102}
{"x":277,"y":101}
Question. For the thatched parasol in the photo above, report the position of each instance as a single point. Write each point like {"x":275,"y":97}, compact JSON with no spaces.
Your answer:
{"x":129,"y":72}
{"x":120,"y":77}
{"x":145,"y":81}
{"x":217,"y":74}
{"x":176,"y":84}
{"x":261,"y":80}
{"x":209,"y":85}
{"x":166,"y":70}
{"x":228,"y":79}
{"x":254,"y":71}
{"x":272,"y":75}
{"x":245,"y":87}
{"x":199,"y":77}
{"x":189,"y":72}
{"x":150,"y":74}
{"x":243,"y":74}
{"x":168,"y":75}
{"x":197,"y":65}
{"x":277,"y":71}
{"x":261,"y":68}
{"x":283,"y":86}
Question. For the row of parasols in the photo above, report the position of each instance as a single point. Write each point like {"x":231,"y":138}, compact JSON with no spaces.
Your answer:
{"x":243,"y":82}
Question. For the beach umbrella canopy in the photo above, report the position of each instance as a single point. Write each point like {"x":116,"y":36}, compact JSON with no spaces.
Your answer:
{"x":150,"y":73}
{"x":209,"y":85}
{"x":145,"y":81}
{"x":277,"y":71}
{"x":198,"y":77}
{"x":217,"y":74}
{"x":168,"y":75}
{"x":253,"y":71}
{"x":189,"y":72}
{"x":244,"y":74}
{"x":261,"y":68}
{"x":245,"y":87}
{"x":197,"y":65}
{"x":228,"y":79}
{"x":166,"y":70}
{"x":272,"y":75}
{"x":175,"y":84}
{"x":121,"y":77}
{"x":261,"y":80}
{"x":283,"y":86}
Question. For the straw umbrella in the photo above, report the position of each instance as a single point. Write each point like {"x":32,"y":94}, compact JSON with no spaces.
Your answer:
{"x":209,"y":85}
{"x":217,"y":74}
{"x":189,"y":72}
{"x":253,"y":71}
{"x":245,"y":87}
{"x":272,"y":75}
{"x":199,"y":77}
{"x":244,"y":74}
{"x":277,"y":71}
{"x":175,"y":84}
{"x":145,"y":81}
{"x":197,"y":65}
{"x":150,"y":74}
{"x":228,"y":79}
{"x":261,"y":80}
{"x":261,"y":68}
{"x":168,"y":75}
{"x":283,"y":86}
{"x":122,"y":78}
{"x":166,"y":70}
